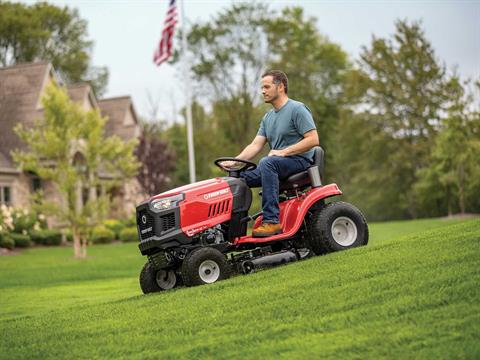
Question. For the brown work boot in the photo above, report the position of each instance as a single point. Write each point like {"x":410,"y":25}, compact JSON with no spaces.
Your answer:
{"x":267,"y":229}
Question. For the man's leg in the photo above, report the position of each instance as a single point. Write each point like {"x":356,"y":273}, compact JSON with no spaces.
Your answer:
{"x":273,"y":169}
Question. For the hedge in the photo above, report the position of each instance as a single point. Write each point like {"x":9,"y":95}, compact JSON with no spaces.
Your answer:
{"x":102,"y":235}
{"x":46,"y":237}
{"x":129,"y":234}
{"x":21,"y":240}
{"x":6,"y":241}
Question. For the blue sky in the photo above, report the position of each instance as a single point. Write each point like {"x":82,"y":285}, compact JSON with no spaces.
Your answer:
{"x":126,"y":32}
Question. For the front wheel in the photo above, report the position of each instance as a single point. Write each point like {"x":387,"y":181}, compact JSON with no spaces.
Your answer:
{"x":204,"y":265}
{"x":152,"y":280}
{"x":337,"y":226}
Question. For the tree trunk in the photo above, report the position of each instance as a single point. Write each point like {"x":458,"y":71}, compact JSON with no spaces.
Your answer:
{"x":461,"y":189}
{"x":77,"y":252}
{"x":84,"y":247}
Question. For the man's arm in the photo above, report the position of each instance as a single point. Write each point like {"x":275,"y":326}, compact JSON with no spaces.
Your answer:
{"x":310,"y":139}
{"x":253,"y":148}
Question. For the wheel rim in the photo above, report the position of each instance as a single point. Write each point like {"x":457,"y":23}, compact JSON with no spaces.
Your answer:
{"x":344,"y":231}
{"x":166,"y":279}
{"x":209,"y":271}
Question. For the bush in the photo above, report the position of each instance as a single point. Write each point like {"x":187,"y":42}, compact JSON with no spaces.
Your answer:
{"x":68,"y":235}
{"x":46,"y":237}
{"x":129,"y":234}
{"x":102,"y":235}
{"x":6,"y":241}
{"x":115,"y":225}
{"x":21,"y":240}
{"x":131,"y":221}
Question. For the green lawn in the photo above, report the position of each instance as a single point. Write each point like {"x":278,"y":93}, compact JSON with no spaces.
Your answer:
{"x":413,"y":292}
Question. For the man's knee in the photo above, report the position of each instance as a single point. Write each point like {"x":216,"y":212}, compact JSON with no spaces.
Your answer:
{"x":267,"y":162}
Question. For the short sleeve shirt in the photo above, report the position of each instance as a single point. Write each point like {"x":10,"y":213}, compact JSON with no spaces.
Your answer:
{"x":287,"y":125}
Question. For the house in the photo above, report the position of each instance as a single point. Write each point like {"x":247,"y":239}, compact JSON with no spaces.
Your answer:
{"x":21,"y":89}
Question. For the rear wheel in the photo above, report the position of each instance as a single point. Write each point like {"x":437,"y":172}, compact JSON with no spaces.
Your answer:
{"x":337,"y":226}
{"x":204,"y":265}
{"x":152,"y":280}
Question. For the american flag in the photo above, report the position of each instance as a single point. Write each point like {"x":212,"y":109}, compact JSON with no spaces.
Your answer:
{"x":164,"y":49}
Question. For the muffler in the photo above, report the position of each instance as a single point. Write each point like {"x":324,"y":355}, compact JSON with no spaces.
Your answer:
{"x":265,"y":261}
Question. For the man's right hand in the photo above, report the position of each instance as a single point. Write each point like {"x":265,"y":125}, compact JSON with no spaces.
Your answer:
{"x":230,"y":164}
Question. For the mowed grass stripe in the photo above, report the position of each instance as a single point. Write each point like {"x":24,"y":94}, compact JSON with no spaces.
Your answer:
{"x":414,"y":296}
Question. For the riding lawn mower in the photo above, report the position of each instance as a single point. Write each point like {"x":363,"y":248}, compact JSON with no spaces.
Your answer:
{"x":197,"y":234}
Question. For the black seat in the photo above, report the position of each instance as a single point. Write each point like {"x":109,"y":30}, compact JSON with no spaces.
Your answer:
{"x":302,"y":179}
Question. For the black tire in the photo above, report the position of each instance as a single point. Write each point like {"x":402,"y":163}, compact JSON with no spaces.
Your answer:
{"x":204,"y":265}
{"x":152,"y":280}
{"x":351,"y":229}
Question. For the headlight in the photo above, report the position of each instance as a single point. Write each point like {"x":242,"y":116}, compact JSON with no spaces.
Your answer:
{"x":166,"y":203}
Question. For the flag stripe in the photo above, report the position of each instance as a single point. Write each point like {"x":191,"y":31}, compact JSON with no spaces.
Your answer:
{"x":164,"y":49}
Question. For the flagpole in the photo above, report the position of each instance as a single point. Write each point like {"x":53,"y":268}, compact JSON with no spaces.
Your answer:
{"x":188,"y":100}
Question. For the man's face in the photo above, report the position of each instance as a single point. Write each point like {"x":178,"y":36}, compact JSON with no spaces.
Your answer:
{"x":269,"y":89}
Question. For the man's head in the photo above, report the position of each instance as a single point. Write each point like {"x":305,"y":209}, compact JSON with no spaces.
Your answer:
{"x":274,"y":85}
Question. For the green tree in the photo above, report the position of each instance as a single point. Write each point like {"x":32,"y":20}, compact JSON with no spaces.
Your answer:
{"x":454,"y":168}
{"x":397,"y":92}
{"x":46,"y":32}
{"x":68,"y":147}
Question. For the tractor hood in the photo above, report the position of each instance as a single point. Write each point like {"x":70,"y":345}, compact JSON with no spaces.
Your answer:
{"x":206,"y":189}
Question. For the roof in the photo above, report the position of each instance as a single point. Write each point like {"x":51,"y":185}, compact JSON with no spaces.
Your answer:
{"x":20,"y":88}
{"x":80,"y":93}
{"x":119,"y":110}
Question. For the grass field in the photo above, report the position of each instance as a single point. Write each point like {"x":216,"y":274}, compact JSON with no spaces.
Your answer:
{"x":413,"y":292}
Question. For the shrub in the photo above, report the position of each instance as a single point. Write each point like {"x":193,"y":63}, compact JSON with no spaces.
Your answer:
{"x":131,"y":221}
{"x":129,"y":234}
{"x":6,"y":241}
{"x":102,"y":235}
{"x":46,"y":237}
{"x":68,"y":235}
{"x":115,"y":225}
{"x":21,"y":240}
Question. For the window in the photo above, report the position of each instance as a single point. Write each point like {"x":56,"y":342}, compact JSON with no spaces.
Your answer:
{"x":36,"y":184}
{"x":5,"y":195}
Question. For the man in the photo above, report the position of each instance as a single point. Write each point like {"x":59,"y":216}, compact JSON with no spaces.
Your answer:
{"x":291,"y":134}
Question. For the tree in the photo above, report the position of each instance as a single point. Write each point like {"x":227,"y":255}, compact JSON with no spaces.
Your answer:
{"x":50,"y":33}
{"x":398,"y":92}
{"x":157,"y":160}
{"x":68,"y":147}
{"x":454,"y":165}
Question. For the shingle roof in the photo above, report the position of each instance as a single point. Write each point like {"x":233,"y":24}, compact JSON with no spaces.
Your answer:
{"x":80,"y":93}
{"x":117,"y":110}
{"x":20,"y":88}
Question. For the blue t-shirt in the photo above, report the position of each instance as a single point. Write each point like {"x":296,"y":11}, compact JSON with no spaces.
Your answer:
{"x":286,"y":126}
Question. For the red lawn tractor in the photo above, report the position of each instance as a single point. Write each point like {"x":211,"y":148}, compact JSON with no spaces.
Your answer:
{"x":197,"y":234}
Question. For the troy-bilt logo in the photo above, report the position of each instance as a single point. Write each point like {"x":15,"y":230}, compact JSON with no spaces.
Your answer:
{"x":144,"y":220}
{"x":216,"y":193}
{"x":194,"y":231}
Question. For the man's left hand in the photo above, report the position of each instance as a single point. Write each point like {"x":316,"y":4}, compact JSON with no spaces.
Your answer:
{"x":280,"y":153}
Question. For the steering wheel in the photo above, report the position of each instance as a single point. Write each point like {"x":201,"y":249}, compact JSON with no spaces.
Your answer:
{"x":235,"y":171}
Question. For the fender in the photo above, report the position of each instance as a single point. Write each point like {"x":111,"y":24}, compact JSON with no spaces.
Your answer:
{"x":292,"y":213}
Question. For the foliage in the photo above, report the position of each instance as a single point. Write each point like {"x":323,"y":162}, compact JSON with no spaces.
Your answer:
{"x":361,"y":303}
{"x":129,"y":234}
{"x":6,"y":218}
{"x":6,"y":240}
{"x":21,"y":240}
{"x":102,"y":235}
{"x":393,"y":109}
{"x":452,"y":174}
{"x":46,"y":237}
{"x":68,"y":146}
{"x":114,"y":225}
{"x":43,"y":31}
{"x":157,"y":160}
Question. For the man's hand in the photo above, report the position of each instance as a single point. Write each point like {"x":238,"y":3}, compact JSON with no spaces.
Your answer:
{"x":280,"y":153}
{"x":230,"y":164}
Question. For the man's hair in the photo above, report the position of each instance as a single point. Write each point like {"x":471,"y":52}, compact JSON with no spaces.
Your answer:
{"x":279,"y":77}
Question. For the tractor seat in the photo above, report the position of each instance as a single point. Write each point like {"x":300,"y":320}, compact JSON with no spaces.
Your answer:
{"x":303,"y":179}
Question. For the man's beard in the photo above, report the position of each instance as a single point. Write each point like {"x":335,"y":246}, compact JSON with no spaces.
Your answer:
{"x":272,"y":99}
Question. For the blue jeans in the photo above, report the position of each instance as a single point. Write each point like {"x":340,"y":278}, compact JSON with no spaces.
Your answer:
{"x":270,"y":171}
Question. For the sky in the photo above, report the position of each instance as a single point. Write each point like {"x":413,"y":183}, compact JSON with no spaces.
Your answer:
{"x":126,"y":32}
